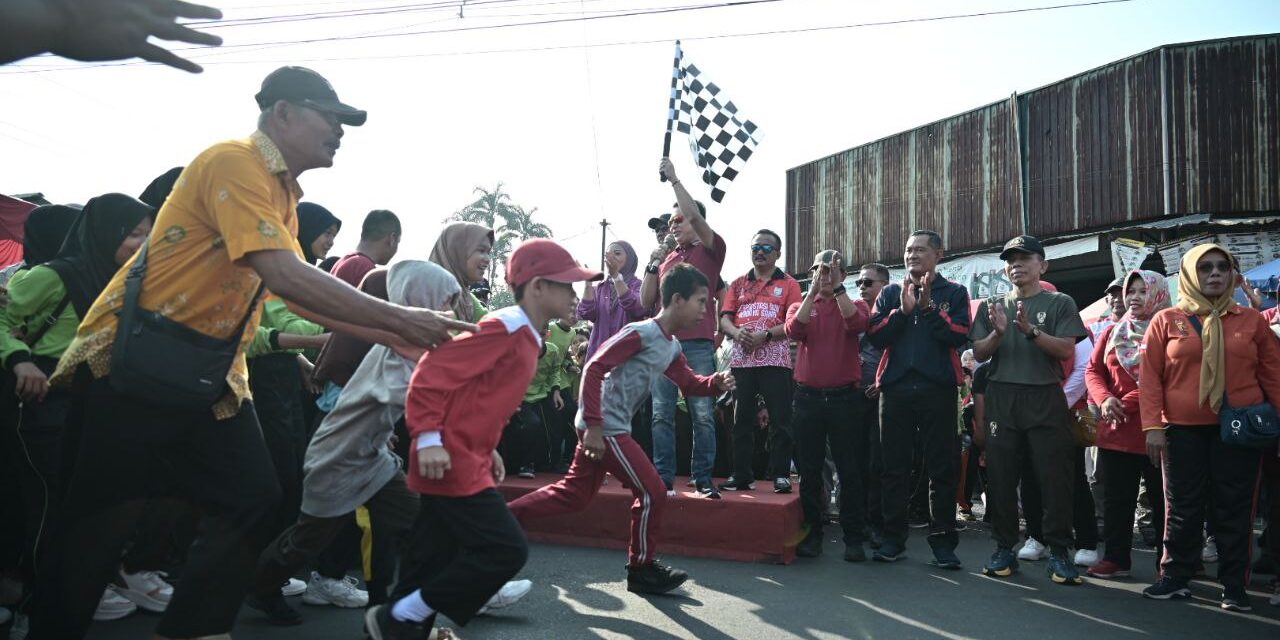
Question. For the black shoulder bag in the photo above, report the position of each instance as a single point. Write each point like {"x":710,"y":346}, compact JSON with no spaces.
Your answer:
{"x":33,"y":338}
{"x":166,"y":363}
{"x":1256,"y":426}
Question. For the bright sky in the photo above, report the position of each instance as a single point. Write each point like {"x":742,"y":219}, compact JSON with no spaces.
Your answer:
{"x":573,"y":131}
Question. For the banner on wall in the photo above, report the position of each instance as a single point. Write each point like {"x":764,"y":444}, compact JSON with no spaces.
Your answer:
{"x":1127,"y":255}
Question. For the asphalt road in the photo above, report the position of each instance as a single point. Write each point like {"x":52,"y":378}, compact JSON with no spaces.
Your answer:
{"x":580,"y":593}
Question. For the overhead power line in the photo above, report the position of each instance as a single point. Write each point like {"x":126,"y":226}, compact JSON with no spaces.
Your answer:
{"x":623,"y":43}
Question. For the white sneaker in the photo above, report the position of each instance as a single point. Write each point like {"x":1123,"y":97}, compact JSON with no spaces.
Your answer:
{"x":1210,"y":551}
{"x":294,"y":587}
{"x":1032,"y":550}
{"x":1086,"y":557}
{"x":509,"y":594}
{"x":147,"y":589}
{"x":340,"y":593}
{"x":113,"y":606}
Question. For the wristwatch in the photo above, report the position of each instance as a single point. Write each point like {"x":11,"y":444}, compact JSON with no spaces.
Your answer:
{"x":1034,"y":333}
{"x":839,"y":290}
{"x":652,"y":268}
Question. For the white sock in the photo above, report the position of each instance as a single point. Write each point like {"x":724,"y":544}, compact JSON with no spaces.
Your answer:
{"x":411,"y":608}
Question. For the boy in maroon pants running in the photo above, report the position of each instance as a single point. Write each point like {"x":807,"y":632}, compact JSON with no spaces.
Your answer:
{"x":632,"y":360}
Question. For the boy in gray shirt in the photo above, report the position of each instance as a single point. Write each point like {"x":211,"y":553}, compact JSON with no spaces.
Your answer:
{"x":615,"y":383}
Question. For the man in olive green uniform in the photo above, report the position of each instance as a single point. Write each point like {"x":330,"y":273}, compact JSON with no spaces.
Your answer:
{"x":1027,"y":334}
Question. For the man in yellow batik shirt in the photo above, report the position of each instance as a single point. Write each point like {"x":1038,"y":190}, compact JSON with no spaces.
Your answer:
{"x":228,"y":227}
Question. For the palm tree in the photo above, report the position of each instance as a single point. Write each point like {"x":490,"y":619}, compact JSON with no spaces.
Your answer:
{"x":521,"y":223}
{"x":491,"y":209}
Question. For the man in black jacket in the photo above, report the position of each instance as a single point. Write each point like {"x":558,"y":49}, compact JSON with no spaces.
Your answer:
{"x":920,"y":324}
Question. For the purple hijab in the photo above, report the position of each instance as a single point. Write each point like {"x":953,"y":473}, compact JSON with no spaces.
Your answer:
{"x":608,"y":311}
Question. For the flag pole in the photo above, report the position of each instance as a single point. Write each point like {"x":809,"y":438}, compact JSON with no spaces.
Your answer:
{"x":671,"y":106}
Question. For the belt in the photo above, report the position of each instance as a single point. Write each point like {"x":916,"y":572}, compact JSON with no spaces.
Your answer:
{"x":826,"y":392}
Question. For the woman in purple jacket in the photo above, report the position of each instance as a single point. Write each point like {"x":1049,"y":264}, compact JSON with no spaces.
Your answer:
{"x":614,"y":302}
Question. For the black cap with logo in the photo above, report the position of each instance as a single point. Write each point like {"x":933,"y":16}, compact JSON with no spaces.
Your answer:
{"x":1022,"y":244}
{"x":303,"y":86}
{"x":661,"y":222}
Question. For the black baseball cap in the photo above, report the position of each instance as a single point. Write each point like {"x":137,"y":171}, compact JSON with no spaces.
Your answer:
{"x":303,"y":86}
{"x":1118,"y":283}
{"x":661,"y":222}
{"x":1022,"y":244}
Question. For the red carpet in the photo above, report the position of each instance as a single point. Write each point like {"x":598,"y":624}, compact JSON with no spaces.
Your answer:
{"x":755,"y":526}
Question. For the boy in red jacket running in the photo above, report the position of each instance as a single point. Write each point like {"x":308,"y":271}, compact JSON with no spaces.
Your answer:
{"x":616,"y":382}
{"x":466,"y":544}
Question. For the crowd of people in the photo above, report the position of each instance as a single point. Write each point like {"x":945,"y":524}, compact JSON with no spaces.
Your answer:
{"x":202,"y":405}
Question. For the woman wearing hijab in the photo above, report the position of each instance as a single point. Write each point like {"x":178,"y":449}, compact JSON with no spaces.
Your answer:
{"x":612,"y":304}
{"x":465,"y":250}
{"x":42,"y":235}
{"x":1113,"y":377}
{"x":46,"y":302}
{"x":1205,"y":350}
{"x":317,"y":228}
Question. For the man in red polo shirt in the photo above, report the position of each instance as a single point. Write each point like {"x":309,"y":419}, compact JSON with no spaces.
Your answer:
{"x":379,"y":241}
{"x":826,"y":327}
{"x":753,"y":314}
{"x":703,"y":248}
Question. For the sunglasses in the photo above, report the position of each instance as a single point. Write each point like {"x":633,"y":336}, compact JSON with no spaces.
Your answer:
{"x":1209,"y":267}
{"x":866,"y":282}
{"x":763,"y":248}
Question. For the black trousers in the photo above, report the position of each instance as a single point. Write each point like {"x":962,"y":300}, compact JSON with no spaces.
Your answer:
{"x":1121,"y":474}
{"x":129,"y":450}
{"x":822,"y":418}
{"x":276,"y":382}
{"x":1199,"y":468}
{"x":775,"y":385}
{"x":1029,"y":422}
{"x":392,"y":511}
{"x":869,"y":412}
{"x":1084,"y":518}
{"x":525,"y":438}
{"x":932,"y":414}
{"x":460,"y":552}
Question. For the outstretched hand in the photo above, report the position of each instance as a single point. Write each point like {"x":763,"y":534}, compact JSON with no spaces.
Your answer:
{"x":724,"y":381}
{"x":118,"y":29}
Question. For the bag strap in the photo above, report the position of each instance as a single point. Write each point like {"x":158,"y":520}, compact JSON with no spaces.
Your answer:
{"x":52,"y":319}
{"x":133,"y":290}
{"x":1195,"y":322}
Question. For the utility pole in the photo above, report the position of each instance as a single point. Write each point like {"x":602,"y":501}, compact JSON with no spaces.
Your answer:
{"x":604,"y":224}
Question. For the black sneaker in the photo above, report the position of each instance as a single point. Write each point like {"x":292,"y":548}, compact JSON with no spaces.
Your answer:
{"x":379,"y":625}
{"x":811,"y":546}
{"x":526,"y":471}
{"x":889,"y":552}
{"x":1167,"y":589}
{"x":782,"y":485}
{"x":1235,"y":599}
{"x":733,"y":485}
{"x":707,"y":490}
{"x":278,"y":611}
{"x":654,"y":578}
{"x":945,"y":558}
{"x":854,"y":553}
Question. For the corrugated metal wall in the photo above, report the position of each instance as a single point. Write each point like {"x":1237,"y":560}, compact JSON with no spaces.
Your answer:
{"x":1092,"y":151}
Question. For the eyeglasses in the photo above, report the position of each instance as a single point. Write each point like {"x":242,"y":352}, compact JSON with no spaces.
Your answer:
{"x":763,"y":248}
{"x":866,"y":282}
{"x":1209,"y":267}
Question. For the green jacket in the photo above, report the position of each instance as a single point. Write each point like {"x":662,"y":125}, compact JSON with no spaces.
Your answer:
{"x":34,"y":294}
{"x":276,"y":316}
{"x":549,"y":375}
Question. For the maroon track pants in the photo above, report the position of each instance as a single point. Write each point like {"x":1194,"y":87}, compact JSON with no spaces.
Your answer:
{"x":623,"y":458}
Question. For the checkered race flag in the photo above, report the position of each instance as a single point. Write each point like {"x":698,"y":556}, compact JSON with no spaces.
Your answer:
{"x":721,"y":141}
